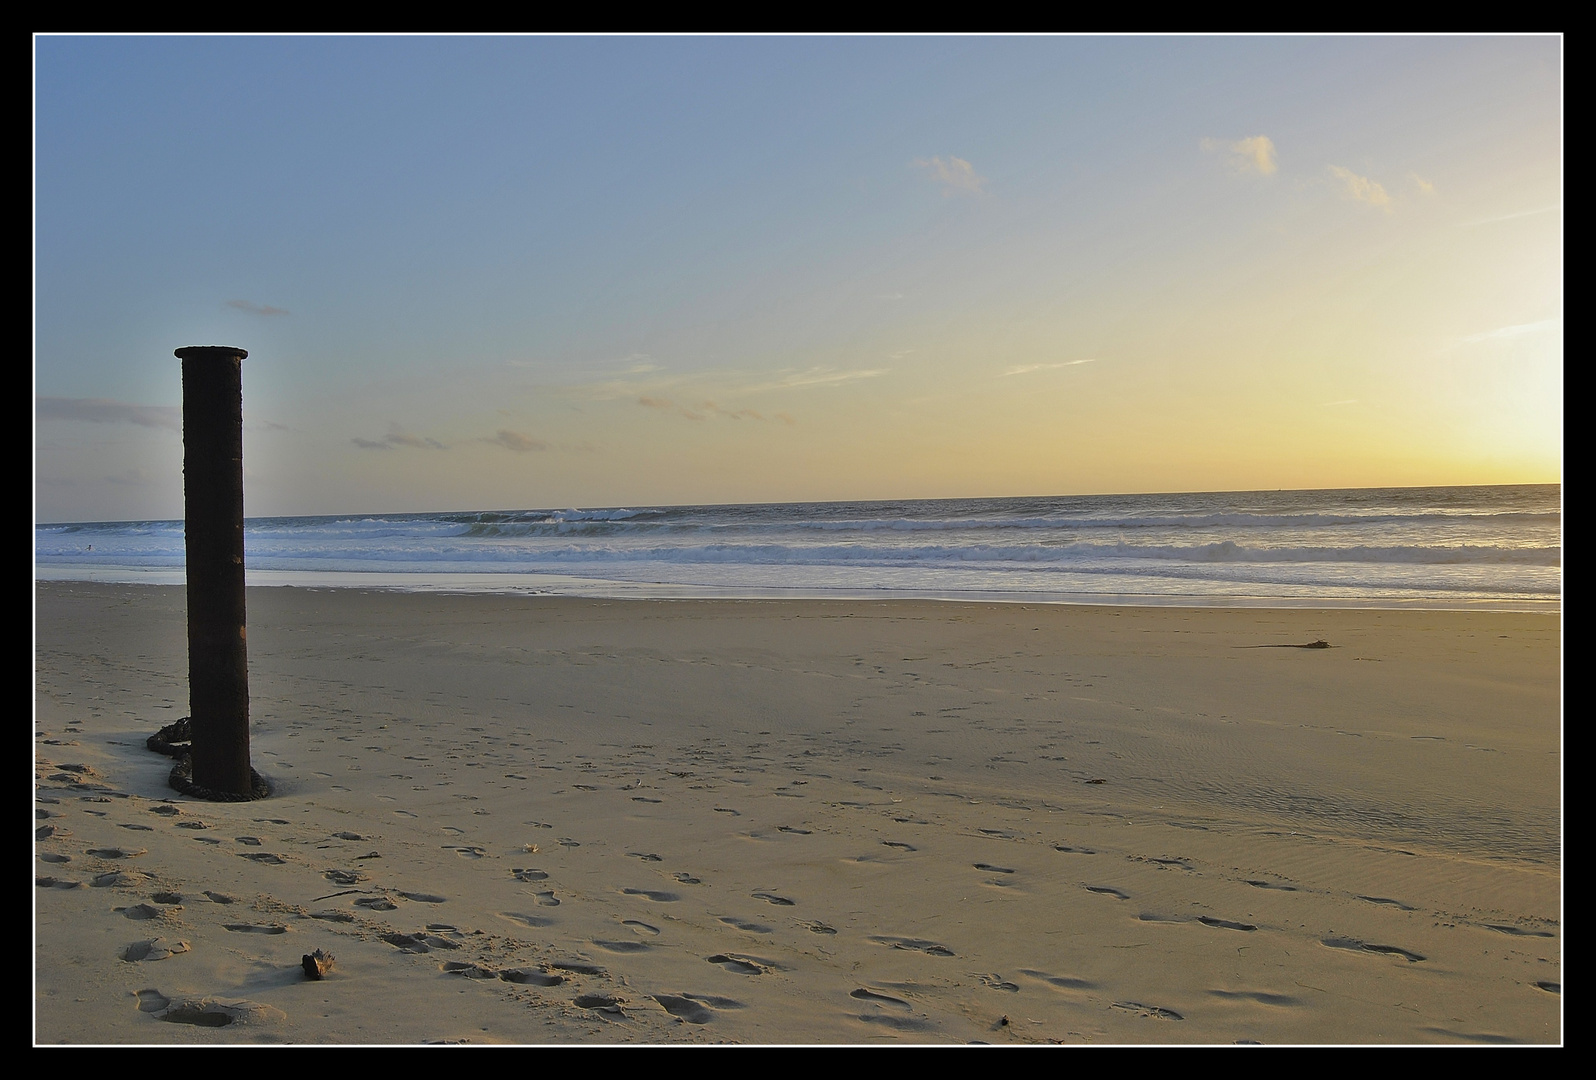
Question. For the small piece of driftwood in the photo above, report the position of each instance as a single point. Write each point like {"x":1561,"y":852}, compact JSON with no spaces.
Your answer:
{"x":317,"y":964}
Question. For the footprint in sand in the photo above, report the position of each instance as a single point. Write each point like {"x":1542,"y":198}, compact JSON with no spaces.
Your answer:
{"x":466,"y":852}
{"x":605,"y":1005}
{"x":1153,"y":1012}
{"x":1107,"y":890}
{"x":1362,"y":946}
{"x":531,"y":977}
{"x":745,"y":924}
{"x":167,"y":897}
{"x":534,"y":921}
{"x":141,"y":912}
{"x":930,"y":948}
{"x":344,"y":877}
{"x":685,"y":1009}
{"x":264,"y":857}
{"x":152,"y":1001}
{"x":529,"y":875}
{"x":418,"y":943}
{"x":1399,"y":905}
{"x":153,"y":949}
{"x":1518,"y":931}
{"x":648,"y":857}
{"x":641,"y":928}
{"x":376,"y":903}
{"x":653,"y":894}
{"x":772,"y":898}
{"x":208,"y":1013}
{"x":470,"y":971}
{"x":248,"y":841}
{"x":117,"y":853}
{"x":876,"y":997}
{"x":1063,"y":982}
{"x":547,"y":898}
{"x":743,"y":965}
{"x":1279,"y":1000}
{"x":1226,"y":924}
{"x":997,"y":982}
{"x":695,"y":1008}
{"x":56,"y":883}
{"x":252,"y":928}
{"x":217,"y":897}
{"x":687,"y":879}
{"x":421,"y":897}
{"x":52,"y":857}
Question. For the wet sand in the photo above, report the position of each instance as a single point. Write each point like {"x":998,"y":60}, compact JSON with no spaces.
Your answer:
{"x":551,"y":820}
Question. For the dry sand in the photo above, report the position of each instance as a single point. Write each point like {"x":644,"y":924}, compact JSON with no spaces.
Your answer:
{"x":539,"y":820}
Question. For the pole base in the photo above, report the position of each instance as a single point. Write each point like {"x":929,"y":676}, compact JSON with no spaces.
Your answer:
{"x":182,"y":779}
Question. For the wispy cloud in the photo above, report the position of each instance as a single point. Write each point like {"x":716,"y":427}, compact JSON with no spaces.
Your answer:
{"x":815,"y":376}
{"x":1361,"y":188}
{"x":640,"y":364}
{"x":256,"y":309}
{"x":514,"y":440}
{"x":957,"y":176}
{"x":1025,"y":369}
{"x":1509,"y":217}
{"x":1506,"y":333}
{"x":105,"y":411}
{"x":398,"y":438}
{"x":1254,"y":154}
{"x":702,"y":410}
{"x":1425,"y":187}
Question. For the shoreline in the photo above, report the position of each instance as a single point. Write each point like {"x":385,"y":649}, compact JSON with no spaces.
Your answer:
{"x":600,"y":589}
{"x":903,"y":821}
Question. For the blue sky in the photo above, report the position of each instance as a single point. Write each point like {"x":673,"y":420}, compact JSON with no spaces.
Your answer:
{"x":527,"y":272}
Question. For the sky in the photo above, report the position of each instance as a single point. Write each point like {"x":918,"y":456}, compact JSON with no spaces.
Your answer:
{"x":542,"y":272}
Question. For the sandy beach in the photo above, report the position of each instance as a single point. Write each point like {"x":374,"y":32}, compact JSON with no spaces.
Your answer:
{"x":555,"y":820}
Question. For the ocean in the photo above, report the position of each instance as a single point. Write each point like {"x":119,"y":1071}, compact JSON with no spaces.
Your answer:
{"x":1437,"y":547}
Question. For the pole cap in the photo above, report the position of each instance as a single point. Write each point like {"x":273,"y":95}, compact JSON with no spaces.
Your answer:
{"x":202,"y":352}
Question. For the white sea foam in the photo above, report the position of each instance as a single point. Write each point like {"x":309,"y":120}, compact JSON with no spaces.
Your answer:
{"x":1436,"y":545}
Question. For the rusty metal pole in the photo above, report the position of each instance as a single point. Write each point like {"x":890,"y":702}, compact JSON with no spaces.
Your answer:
{"x":213,"y":540}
